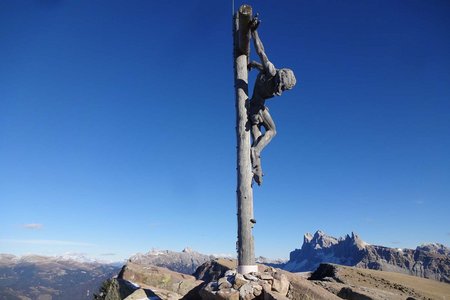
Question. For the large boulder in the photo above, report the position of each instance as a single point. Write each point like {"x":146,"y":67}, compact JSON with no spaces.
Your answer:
{"x":158,"y":279}
{"x":214,"y":269}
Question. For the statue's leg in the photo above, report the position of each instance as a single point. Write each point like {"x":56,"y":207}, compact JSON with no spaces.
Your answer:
{"x":256,"y":166}
{"x":261,"y":142}
{"x":271,"y":131}
{"x":256,"y":160}
{"x":256,"y":135}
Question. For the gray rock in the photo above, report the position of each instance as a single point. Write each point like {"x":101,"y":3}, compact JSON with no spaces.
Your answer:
{"x":158,"y":277}
{"x":280,"y":284}
{"x":239,"y":281}
{"x":246,"y":292}
{"x":222,"y":280}
{"x":266,"y":276}
{"x":225,"y":285}
{"x":257,"y":289}
{"x":266,"y":286}
{"x":250,"y":277}
{"x":136,"y":295}
{"x":271,"y":295}
{"x":228,"y":294}
{"x":230,"y":273}
{"x":214,"y":269}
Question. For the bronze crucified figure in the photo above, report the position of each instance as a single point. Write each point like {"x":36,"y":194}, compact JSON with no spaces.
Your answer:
{"x":269,"y":82}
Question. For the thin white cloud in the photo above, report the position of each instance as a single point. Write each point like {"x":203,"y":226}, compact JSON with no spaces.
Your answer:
{"x":47,"y":242}
{"x":419,"y":202}
{"x":33,"y":226}
{"x":107,"y":254}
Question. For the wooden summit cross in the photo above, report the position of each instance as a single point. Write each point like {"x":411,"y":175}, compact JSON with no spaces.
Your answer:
{"x":252,"y":115}
{"x":245,"y":244}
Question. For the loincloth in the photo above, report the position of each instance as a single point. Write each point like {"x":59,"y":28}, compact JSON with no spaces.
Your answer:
{"x":258,"y":118}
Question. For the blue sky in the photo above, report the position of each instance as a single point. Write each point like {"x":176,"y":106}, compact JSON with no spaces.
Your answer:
{"x":117,"y":125}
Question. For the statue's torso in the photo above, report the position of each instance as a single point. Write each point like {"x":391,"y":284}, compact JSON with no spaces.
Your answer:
{"x":265,"y":88}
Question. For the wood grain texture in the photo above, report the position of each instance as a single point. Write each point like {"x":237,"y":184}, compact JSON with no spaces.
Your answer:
{"x":246,"y":255}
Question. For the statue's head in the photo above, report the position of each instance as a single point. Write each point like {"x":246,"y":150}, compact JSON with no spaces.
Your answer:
{"x":285,"y":80}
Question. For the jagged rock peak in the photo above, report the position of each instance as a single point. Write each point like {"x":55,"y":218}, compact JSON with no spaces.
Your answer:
{"x":319,"y":240}
{"x":319,"y":233}
{"x":434,"y":248}
{"x":307,"y":238}
{"x":430,"y":260}
{"x":188,"y":250}
{"x":357,"y":241}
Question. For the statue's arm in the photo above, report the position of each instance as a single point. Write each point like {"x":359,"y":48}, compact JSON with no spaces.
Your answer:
{"x":255,"y":65}
{"x":267,"y":65}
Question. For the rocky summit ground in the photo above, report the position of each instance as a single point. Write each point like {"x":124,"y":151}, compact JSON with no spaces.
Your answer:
{"x":358,"y":283}
{"x":217,"y":279}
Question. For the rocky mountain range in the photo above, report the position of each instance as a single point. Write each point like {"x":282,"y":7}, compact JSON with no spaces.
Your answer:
{"x":429,"y":261}
{"x":186,"y":261}
{"x":44,"y":278}
{"x":276,"y":263}
{"x":72,"y":277}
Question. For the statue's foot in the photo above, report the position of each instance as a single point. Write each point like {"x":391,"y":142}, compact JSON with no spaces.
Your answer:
{"x":255,"y":157}
{"x":256,"y":165}
{"x":258,"y":175}
{"x":254,"y":23}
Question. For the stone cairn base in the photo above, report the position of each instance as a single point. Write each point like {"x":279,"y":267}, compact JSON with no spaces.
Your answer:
{"x":268,"y":285}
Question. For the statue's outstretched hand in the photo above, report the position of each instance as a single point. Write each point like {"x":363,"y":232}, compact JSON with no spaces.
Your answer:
{"x":254,"y":23}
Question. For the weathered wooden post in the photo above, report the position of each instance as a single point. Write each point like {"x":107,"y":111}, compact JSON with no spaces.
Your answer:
{"x":245,"y":244}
